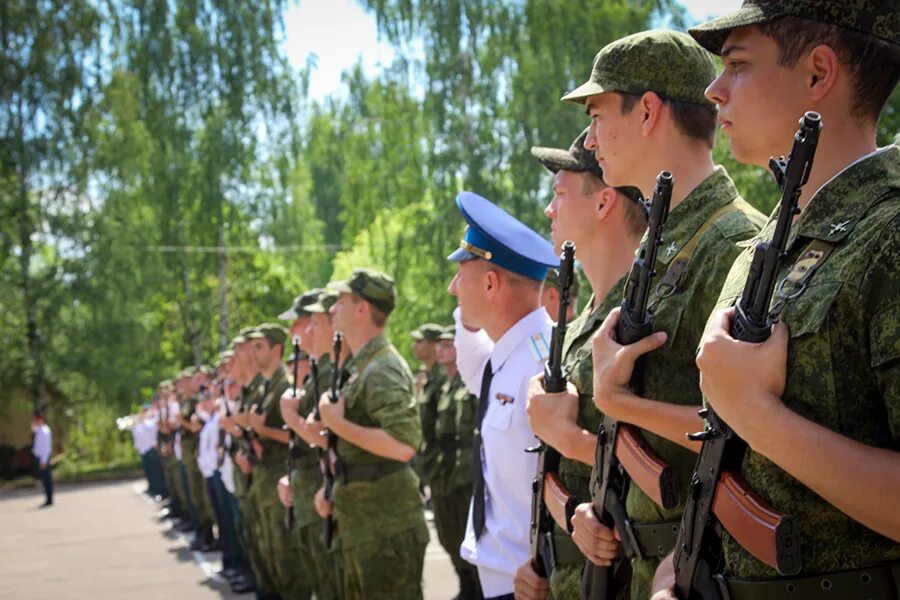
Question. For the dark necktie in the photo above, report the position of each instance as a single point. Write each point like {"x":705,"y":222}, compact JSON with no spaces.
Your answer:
{"x":478,"y":468}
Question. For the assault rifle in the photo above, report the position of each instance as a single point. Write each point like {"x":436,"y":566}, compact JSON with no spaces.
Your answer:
{"x":622,"y":455}
{"x":550,"y":500}
{"x":334,"y":466}
{"x":293,"y":446}
{"x":720,"y":499}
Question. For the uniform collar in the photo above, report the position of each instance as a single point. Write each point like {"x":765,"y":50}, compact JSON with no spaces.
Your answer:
{"x":688,"y":217}
{"x":369,"y":349}
{"x":837,"y":206}
{"x":515,"y":335}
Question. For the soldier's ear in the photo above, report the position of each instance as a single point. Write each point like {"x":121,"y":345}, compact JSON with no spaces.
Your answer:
{"x":650,"y":107}
{"x":821,"y":66}
{"x":605,"y":203}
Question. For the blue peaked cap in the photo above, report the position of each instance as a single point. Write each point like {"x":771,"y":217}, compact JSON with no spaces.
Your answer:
{"x":496,"y":236}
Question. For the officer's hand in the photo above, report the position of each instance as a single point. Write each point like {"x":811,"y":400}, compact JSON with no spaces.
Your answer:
{"x":331,"y":413}
{"x":742,"y":381}
{"x":323,"y":506}
{"x":255,"y":420}
{"x":614,"y":364}
{"x":664,"y":580}
{"x":597,"y":542}
{"x":284,"y":491}
{"x":547,"y":411}
{"x":243,"y":463}
{"x":529,"y":585}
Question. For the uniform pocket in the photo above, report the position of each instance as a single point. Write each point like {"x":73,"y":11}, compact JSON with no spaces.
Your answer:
{"x":807,"y":313}
{"x":499,"y":415}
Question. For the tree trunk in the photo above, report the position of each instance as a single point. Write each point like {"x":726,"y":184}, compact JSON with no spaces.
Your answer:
{"x":223,"y":283}
{"x":190,"y":316}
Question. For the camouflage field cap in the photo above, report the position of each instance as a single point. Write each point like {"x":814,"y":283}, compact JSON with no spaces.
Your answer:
{"x":187,"y":372}
{"x":276,"y":334}
{"x":552,"y":279}
{"x":298,"y":306}
{"x":429,"y":332}
{"x":373,"y":286}
{"x":325,"y":301}
{"x":879,"y":18}
{"x":226,"y":355}
{"x":241,"y":337}
{"x":206,"y":370}
{"x":165,"y":383}
{"x":577,"y":158}
{"x":449,"y":333}
{"x":669,"y":63}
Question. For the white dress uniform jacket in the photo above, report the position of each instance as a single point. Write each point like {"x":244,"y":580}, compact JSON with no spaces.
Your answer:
{"x":508,"y":470}
{"x":207,"y":450}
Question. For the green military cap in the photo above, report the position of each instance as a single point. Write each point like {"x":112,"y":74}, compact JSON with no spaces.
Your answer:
{"x":580,"y":160}
{"x":242,"y":336}
{"x":878,"y":18}
{"x":373,"y":286}
{"x":165,"y":383}
{"x":449,"y":333}
{"x":226,"y":355}
{"x":298,"y":307}
{"x":206,"y":370}
{"x":577,"y":158}
{"x":276,"y":334}
{"x":552,"y":278}
{"x":430,"y":332}
{"x":669,"y":63}
{"x":326,"y":300}
{"x":187,"y":372}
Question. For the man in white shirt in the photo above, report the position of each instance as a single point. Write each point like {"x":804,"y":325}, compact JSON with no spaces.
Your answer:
{"x":42,"y":448}
{"x":502,"y":341}
{"x":144,"y":434}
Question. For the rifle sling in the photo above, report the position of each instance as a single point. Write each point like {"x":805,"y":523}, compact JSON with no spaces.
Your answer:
{"x":876,"y":583}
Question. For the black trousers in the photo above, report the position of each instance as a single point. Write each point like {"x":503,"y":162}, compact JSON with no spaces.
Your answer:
{"x":47,"y":480}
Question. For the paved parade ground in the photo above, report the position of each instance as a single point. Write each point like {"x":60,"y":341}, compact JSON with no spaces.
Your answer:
{"x":103,"y":540}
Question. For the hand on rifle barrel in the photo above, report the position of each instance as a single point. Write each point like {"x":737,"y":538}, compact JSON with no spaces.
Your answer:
{"x":549,"y":413}
{"x":614,"y":365}
{"x":284,"y":491}
{"x":255,"y":420}
{"x":529,"y":585}
{"x":597,"y":542}
{"x":323,"y":506}
{"x":743,"y":382}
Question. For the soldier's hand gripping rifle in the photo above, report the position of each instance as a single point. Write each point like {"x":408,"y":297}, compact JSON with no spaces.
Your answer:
{"x":549,"y":497}
{"x":333,"y":465}
{"x":622,"y":455}
{"x":719,"y":497}
{"x":293,"y":446}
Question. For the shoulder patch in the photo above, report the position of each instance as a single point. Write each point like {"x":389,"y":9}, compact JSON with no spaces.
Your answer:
{"x":540,"y":349}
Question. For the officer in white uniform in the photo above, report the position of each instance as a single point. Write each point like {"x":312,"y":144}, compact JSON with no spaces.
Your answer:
{"x":502,"y":341}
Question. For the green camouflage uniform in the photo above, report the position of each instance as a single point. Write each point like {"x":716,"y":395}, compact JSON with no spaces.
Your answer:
{"x":326,"y":575}
{"x":451,"y":485}
{"x":280,"y":545}
{"x":843,"y":366}
{"x":383,"y":531}
{"x":429,"y":453}
{"x":670,"y":373}
{"x":197,"y":486}
{"x":565,"y":581}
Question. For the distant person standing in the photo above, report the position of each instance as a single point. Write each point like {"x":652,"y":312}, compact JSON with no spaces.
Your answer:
{"x":41,"y":448}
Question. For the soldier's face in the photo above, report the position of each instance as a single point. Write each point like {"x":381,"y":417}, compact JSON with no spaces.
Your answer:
{"x":759,"y":100}
{"x":342,"y":312}
{"x":615,"y":138}
{"x":571,"y":212}
{"x":468,"y":286}
{"x":297,"y":328}
{"x":261,"y":352}
{"x":321,"y":332}
{"x":446,"y":352}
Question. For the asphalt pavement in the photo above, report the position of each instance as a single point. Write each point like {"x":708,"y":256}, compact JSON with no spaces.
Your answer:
{"x":104,"y":540}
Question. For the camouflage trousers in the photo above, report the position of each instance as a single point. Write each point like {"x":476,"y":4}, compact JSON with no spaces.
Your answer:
{"x":279,"y":546}
{"x":565,"y":582}
{"x":173,"y":482}
{"x":642,"y":571}
{"x":389,"y":568}
{"x":250,"y":536}
{"x":198,"y":493}
{"x":451,"y":510}
{"x":324,"y":567}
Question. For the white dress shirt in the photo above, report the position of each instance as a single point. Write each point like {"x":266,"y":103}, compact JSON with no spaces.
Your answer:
{"x":43,"y":443}
{"x":144,"y":434}
{"x":207,"y":450}
{"x":508,"y":470}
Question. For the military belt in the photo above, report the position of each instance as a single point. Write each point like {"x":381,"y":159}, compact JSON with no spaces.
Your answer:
{"x":873,"y":583}
{"x":655,"y":539}
{"x":373,"y":472}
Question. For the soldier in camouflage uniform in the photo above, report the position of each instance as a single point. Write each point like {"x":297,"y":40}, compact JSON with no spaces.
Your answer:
{"x":819,"y":402}
{"x":645,"y":97}
{"x":424,"y":347}
{"x":204,"y":540}
{"x":376,"y":498}
{"x":606,"y":225}
{"x":324,"y":566}
{"x":451,"y":485}
{"x":281,"y":553}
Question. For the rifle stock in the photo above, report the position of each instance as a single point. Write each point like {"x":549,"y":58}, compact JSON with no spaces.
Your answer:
{"x":559,"y":502}
{"x":655,"y":478}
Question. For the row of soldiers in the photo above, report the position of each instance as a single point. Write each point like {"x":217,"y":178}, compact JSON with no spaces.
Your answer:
{"x":815,"y":398}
